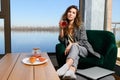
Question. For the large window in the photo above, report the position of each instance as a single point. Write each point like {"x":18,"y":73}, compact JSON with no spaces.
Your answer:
{"x":35,"y":23}
{"x":116,"y":22}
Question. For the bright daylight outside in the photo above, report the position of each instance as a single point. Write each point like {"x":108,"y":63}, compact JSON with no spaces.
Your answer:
{"x":35,"y":24}
{"x":116,"y":23}
{"x":51,"y":40}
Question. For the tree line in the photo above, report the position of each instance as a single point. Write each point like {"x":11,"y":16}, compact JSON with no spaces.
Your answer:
{"x":30,"y":28}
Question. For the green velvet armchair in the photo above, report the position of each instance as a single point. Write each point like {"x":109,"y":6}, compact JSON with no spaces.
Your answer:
{"x":102,"y":42}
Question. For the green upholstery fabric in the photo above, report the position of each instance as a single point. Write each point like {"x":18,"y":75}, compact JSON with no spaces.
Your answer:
{"x":103,"y":42}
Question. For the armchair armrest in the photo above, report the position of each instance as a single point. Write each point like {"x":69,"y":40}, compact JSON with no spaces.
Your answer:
{"x":61,"y":58}
{"x":110,"y":57}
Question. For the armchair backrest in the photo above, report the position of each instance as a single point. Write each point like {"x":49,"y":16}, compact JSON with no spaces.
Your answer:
{"x":101,"y":40}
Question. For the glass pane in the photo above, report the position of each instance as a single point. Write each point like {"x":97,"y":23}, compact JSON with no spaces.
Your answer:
{"x":35,"y":23}
{"x":116,"y":31}
{"x":2,"y":45}
{"x":116,"y":23}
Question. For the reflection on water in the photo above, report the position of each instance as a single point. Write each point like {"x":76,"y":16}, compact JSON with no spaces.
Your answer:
{"x":26,"y":41}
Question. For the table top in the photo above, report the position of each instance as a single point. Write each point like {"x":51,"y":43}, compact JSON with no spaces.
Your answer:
{"x":12,"y":68}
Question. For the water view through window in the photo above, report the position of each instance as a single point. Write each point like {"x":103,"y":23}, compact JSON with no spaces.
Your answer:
{"x":32,"y":14}
{"x":43,"y":13}
{"x":26,"y":41}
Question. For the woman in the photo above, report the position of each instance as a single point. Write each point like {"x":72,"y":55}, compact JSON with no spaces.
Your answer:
{"x":73,"y":35}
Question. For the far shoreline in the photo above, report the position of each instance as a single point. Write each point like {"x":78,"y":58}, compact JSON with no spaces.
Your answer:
{"x":27,"y":28}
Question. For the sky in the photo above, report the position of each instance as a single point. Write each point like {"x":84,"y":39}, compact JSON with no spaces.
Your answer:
{"x":115,"y":11}
{"x":46,"y":12}
{"x":38,"y":12}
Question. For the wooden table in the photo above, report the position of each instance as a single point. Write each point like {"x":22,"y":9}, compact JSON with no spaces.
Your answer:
{"x":12,"y":68}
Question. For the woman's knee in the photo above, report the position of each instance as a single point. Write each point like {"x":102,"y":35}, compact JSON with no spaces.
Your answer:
{"x":75,"y":45}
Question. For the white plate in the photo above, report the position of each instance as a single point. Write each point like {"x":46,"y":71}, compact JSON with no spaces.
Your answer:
{"x":26,"y":61}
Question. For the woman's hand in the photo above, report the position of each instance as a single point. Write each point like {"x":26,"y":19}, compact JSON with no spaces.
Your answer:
{"x":68,"y":48}
{"x":63,"y":24}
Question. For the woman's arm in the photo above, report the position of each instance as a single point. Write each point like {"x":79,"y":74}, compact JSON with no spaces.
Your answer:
{"x":61,"y":33}
{"x":61,"y":37}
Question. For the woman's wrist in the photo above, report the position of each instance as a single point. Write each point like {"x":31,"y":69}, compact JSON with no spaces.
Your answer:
{"x":61,"y":33}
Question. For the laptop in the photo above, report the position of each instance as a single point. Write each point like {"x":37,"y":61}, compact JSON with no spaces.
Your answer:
{"x":95,"y":72}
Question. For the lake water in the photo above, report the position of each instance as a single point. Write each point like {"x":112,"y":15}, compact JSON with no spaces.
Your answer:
{"x":26,"y":41}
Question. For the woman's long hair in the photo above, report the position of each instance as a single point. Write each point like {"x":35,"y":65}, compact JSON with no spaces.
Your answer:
{"x":77,"y":22}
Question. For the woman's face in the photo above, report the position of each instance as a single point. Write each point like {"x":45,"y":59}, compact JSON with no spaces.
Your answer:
{"x":71,"y":15}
